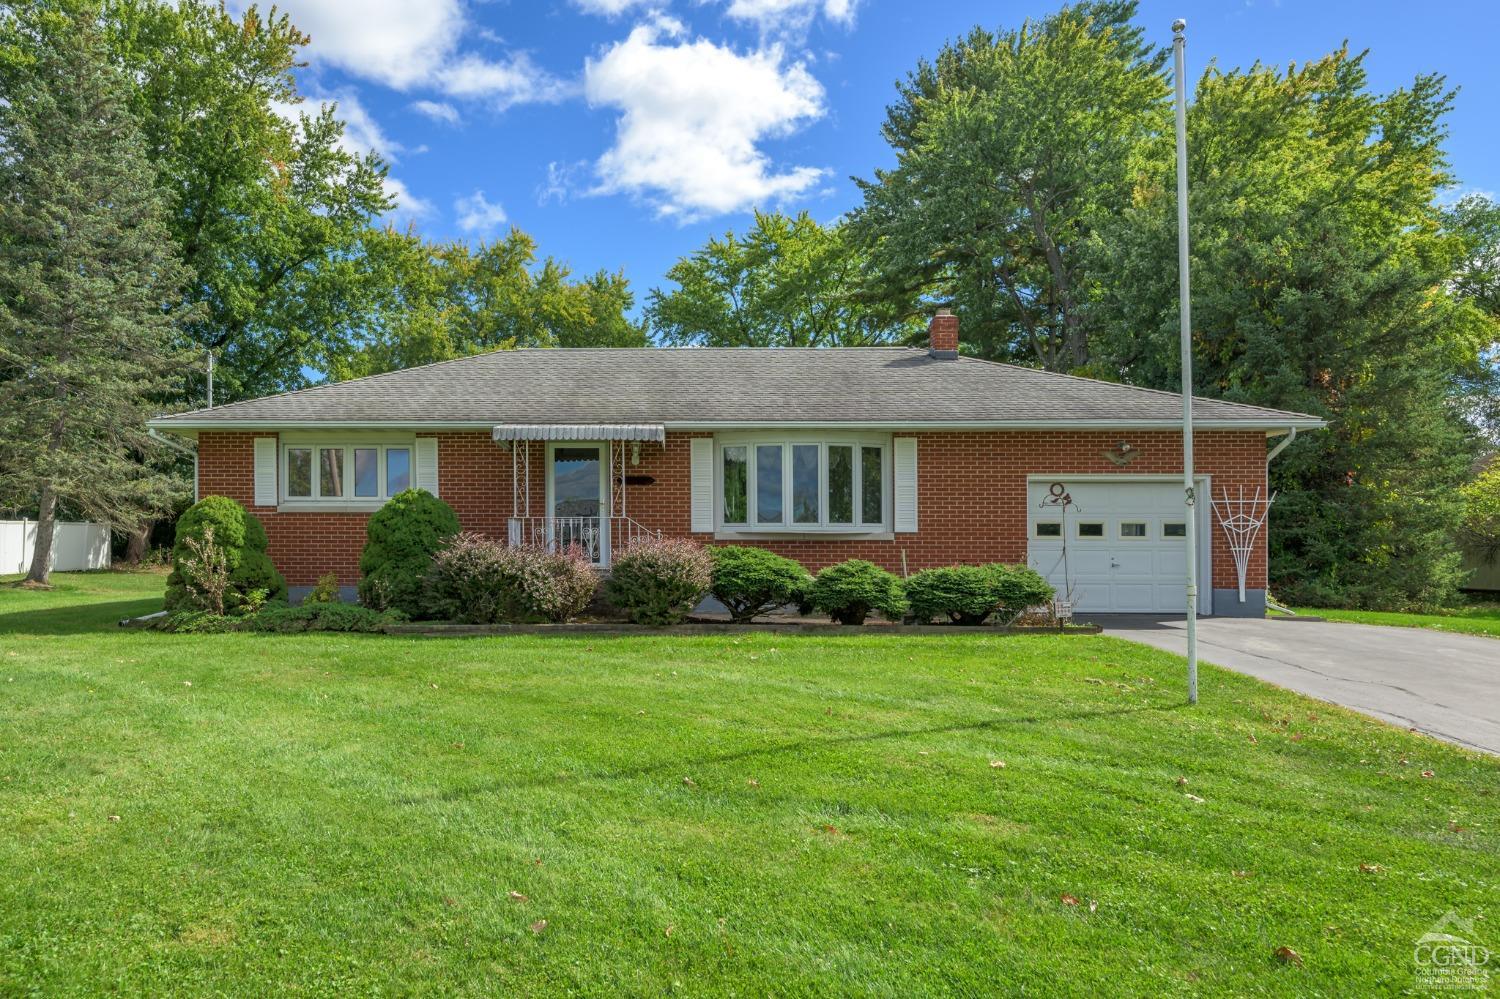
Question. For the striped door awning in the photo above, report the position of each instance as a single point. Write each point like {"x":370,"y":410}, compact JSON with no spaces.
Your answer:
{"x":580,"y":432}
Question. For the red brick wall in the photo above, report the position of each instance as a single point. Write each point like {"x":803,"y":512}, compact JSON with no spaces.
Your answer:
{"x":971,"y":495}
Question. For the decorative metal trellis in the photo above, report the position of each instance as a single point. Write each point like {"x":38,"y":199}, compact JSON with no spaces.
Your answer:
{"x":1059,"y":497}
{"x":1242,"y":520}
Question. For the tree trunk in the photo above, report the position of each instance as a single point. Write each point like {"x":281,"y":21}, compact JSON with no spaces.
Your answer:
{"x":138,"y":543}
{"x":46,"y":525}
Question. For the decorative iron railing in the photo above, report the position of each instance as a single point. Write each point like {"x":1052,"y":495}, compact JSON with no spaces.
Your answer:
{"x":597,"y":537}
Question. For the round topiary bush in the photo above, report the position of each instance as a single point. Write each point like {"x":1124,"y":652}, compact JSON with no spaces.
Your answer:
{"x":963,"y":594}
{"x":751,"y":581}
{"x":1018,"y":588}
{"x":243,"y":542}
{"x":400,"y":540}
{"x":658,"y":581}
{"x":847,"y":592}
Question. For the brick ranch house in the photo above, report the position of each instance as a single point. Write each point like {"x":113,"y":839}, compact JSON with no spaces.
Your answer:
{"x":907,"y":457}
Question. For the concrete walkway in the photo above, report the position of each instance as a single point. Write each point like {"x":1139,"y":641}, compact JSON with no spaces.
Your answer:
{"x":1443,"y":684}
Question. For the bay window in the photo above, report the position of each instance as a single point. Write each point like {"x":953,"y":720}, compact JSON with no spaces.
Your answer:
{"x":802,"y":484}
{"x":364,"y":473}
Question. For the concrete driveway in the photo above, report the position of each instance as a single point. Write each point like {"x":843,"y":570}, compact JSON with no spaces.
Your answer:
{"x":1443,"y":684}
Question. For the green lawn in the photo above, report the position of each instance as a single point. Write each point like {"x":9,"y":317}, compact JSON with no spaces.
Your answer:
{"x":746,"y":815}
{"x":1480,"y":619}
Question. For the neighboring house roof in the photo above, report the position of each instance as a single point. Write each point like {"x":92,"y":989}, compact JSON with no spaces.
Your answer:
{"x":686,"y":388}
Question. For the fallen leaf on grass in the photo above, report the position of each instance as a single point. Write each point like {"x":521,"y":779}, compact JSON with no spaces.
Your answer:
{"x":1192,"y":797}
{"x":1370,"y":868}
{"x":1182,"y":782}
{"x":670,"y":928}
{"x":1296,"y":736}
{"x":997,"y":764}
{"x":1455,"y":827}
{"x":1069,"y":899}
{"x":1288,"y":956}
{"x":1428,"y":773}
{"x":538,"y":926}
{"x":114,"y":818}
{"x":516,"y":896}
{"x":753,"y":782}
{"x":1240,"y":874}
{"x":1404,"y":761}
{"x":1093,"y":906}
{"x":1253,"y":740}
{"x":689,"y":782}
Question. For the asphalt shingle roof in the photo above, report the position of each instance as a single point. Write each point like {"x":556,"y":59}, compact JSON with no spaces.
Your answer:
{"x":880,"y":385}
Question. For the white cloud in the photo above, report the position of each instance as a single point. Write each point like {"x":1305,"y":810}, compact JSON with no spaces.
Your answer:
{"x":692,"y":116}
{"x":610,"y":8}
{"x":408,"y":44}
{"x":561,"y":182}
{"x":515,"y":80}
{"x":437,"y":111}
{"x":791,"y":15}
{"x":477,"y":215}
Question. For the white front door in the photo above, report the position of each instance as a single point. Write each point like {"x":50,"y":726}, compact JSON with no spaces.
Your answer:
{"x":1120,"y":546}
{"x":576,"y":491}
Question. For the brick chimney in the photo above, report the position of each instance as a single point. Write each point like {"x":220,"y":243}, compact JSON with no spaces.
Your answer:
{"x":942,"y":335}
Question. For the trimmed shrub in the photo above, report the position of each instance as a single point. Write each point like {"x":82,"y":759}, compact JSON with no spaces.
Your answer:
{"x":322,"y":616}
{"x":657,"y":581}
{"x":1018,"y":589}
{"x":963,"y":594}
{"x":847,"y":592}
{"x":401,"y":539}
{"x":243,"y":542}
{"x":478,"y":580}
{"x":751,"y":581}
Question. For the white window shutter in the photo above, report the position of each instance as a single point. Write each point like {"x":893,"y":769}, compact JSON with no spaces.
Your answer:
{"x":427,"y":464}
{"x":265,"y":471}
{"x":906,"y":485}
{"x":701,"y":475}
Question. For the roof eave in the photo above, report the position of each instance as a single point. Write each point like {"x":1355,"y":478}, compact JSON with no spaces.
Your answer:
{"x":1269,"y":423}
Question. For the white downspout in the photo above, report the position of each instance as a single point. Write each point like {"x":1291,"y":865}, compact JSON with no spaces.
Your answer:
{"x":1291,"y":435}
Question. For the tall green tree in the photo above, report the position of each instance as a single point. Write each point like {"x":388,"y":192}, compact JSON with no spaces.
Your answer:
{"x":266,"y":205}
{"x":1323,"y":281}
{"x":788,"y":282}
{"x":433,"y":302}
{"x":1012,"y":148}
{"x":88,"y":277}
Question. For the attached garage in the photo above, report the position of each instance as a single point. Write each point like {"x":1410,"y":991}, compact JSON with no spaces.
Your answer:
{"x":1118,"y":544}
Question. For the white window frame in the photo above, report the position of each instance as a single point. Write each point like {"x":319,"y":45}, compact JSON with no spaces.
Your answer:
{"x":787,"y":526}
{"x":380,"y":444}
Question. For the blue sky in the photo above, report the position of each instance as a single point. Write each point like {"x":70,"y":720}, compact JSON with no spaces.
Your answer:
{"x":622,"y":133}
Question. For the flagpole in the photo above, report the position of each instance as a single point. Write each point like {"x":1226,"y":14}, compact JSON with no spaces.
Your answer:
{"x":1179,"y":44}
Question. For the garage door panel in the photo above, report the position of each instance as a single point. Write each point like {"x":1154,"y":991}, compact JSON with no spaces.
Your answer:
{"x":1115,"y":572}
{"x":1135,"y":596}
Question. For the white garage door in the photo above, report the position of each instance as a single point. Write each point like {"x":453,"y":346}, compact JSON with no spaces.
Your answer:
{"x":1119,"y":547}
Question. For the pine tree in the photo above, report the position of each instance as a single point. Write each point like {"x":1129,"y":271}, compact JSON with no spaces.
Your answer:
{"x":88,"y":281}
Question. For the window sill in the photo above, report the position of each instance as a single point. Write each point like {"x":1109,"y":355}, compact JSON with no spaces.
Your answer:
{"x":740,"y":534}
{"x":322,"y":506}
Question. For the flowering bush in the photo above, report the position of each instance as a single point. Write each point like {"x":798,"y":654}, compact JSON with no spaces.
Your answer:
{"x":478,"y":580}
{"x":657,"y":581}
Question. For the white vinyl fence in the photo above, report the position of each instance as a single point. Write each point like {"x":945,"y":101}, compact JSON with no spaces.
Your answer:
{"x":74,"y":546}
